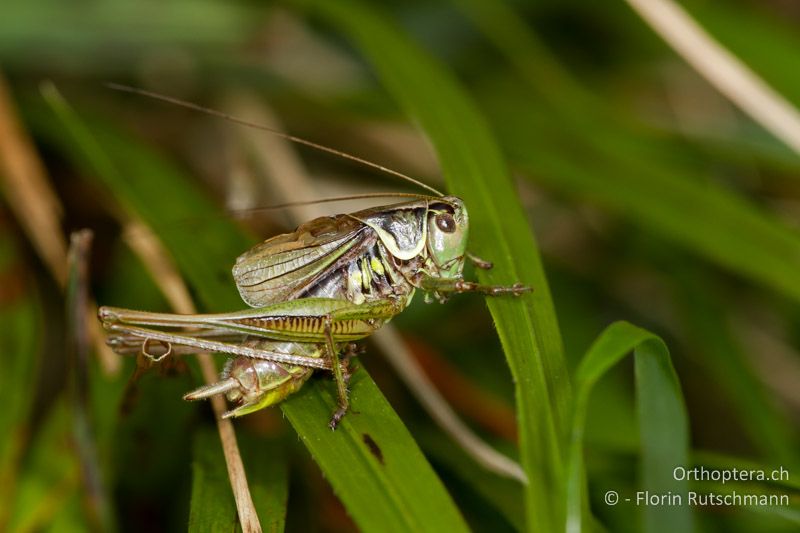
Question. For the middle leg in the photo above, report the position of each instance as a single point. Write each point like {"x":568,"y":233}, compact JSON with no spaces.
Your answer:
{"x":340,"y":375}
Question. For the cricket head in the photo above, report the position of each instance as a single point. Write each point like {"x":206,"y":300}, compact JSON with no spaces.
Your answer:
{"x":448,"y":228}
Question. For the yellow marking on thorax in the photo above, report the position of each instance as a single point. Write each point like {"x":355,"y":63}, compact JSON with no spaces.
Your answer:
{"x":376,"y":266}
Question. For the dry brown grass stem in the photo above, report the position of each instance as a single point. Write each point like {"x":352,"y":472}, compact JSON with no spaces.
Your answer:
{"x":157,"y":260}
{"x":722,"y":69}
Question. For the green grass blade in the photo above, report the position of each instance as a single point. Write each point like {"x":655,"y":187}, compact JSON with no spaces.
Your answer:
{"x":664,"y":429}
{"x":651,"y":187}
{"x":663,"y":425}
{"x":212,"y":506}
{"x":475,"y":171}
{"x":267,"y":465}
{"x":397,"y":490}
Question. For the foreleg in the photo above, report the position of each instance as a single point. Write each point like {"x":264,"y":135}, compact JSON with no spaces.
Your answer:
{"x":446,"y":286}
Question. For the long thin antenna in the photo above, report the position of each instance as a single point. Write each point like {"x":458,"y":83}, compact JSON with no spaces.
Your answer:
{"x":336,"y":199}
{"x":298,"y":140}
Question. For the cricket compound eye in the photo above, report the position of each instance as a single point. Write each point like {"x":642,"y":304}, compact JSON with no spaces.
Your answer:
{"x":446,"y":222}
{"x":447,"y":238}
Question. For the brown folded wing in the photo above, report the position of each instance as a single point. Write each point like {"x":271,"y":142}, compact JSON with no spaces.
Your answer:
{"x":284,"y":266}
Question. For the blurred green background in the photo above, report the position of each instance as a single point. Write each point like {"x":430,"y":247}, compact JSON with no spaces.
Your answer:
{"x":652,"y":198}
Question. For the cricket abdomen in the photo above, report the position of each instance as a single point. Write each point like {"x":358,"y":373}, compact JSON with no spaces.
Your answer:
{"x":309,"y":329}
{"x":258,"y":383}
